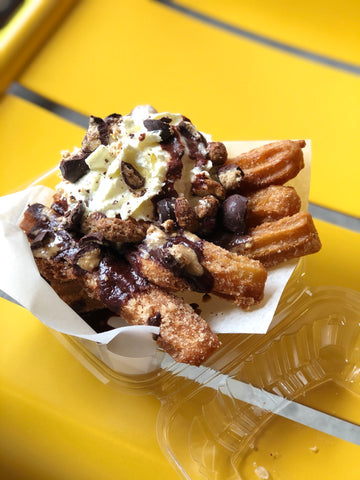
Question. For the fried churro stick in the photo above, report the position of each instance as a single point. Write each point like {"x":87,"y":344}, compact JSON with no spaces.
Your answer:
{"x":271,"y":203}
{"x":180,"y":262}
{"x":276,"y":242}
{"x":114,"y":229}
{"x":111,"y":281}
{"x":274,"y":163}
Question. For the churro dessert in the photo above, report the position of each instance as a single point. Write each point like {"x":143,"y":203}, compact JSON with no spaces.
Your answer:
{"x":149,"y":207}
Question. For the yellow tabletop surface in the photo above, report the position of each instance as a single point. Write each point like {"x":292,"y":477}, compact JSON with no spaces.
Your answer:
{"x":239,"y":70}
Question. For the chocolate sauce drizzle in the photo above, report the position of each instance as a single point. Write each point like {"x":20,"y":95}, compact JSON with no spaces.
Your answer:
{"x":200,"y":283}
{"x":173,"y":144}
{"x":116,"y":281}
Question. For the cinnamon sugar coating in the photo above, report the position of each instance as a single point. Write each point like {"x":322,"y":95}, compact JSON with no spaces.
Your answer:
{"x":276,"y":242}
{"x":272,"y":164}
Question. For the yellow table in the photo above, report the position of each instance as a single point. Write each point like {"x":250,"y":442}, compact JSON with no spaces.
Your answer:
{"x":240,"y":71}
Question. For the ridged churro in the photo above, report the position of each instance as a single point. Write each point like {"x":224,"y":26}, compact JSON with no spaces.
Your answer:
{"x":271,"y":203}
{"x":183,"y":261}
{"x":272,"y":164}
{"x":276,"y":242}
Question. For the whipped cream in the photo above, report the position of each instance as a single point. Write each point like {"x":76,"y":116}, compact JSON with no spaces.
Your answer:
{"x":145,"y":152}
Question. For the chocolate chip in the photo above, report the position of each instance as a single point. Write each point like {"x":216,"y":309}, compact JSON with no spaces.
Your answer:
{"x":234,"y":213}
{"x":155,"y":320}
{"x":74,"y":167}
{"x":93,"y":237}
{"x":166,"y":209}
{"x":72,"y":218}
{"x":110,"y":119}
{"x":60,"y":206}
{"x":161,"y":125}
{"x":42,"y":238}
{"x":187,"y":129}
{"x":97,"y":134}
{"x":131,"y":176}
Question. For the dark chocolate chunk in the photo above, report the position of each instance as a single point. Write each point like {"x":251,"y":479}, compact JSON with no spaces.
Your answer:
{"x":155,"y":320}
{"x":93,"y":237}
{"x":87,"y":256}
{"x":199,"y":283}
{"x":234,"y":213}
{"x":131,"y":176}
{"x":42,"y":238}
{"x":97,"y":134}
{"x":193,"y":139}
{"x":110,"y":119}
{"x":60,"y":206}
{"x":189,"y":131}
{"x":230,"y":240}
{"x":73,"y":216}
{"x":74,"y":167}
{"x":166,"y":209}
{"x":161,"y":125}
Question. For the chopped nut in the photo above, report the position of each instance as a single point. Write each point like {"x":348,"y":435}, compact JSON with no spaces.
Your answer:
{"x":155,"y":237}
{"x":185,"y":215}
{"x":207,"y":207}
{"x":230,"y":177}
{"x":203,"y":186}
{"x":169,"y":226}
{"x":217,"y":153}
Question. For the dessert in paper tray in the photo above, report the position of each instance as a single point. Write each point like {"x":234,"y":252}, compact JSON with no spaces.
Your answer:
{"x":154,"y":223}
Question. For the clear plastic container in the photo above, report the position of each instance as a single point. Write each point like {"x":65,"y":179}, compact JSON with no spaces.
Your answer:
{"x":310,"y":354}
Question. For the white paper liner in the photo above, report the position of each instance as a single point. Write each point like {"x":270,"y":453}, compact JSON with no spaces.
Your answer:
{"x":130,"y":349}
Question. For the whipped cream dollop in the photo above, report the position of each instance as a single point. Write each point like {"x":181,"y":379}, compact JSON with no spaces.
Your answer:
{"x":128,"y":163}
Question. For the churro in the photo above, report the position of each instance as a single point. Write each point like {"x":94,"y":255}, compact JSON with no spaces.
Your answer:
{"x":271,"y":203}
{"x":272,"y":164}
{"x":182,"y":261}
{"x":275,"y":242}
